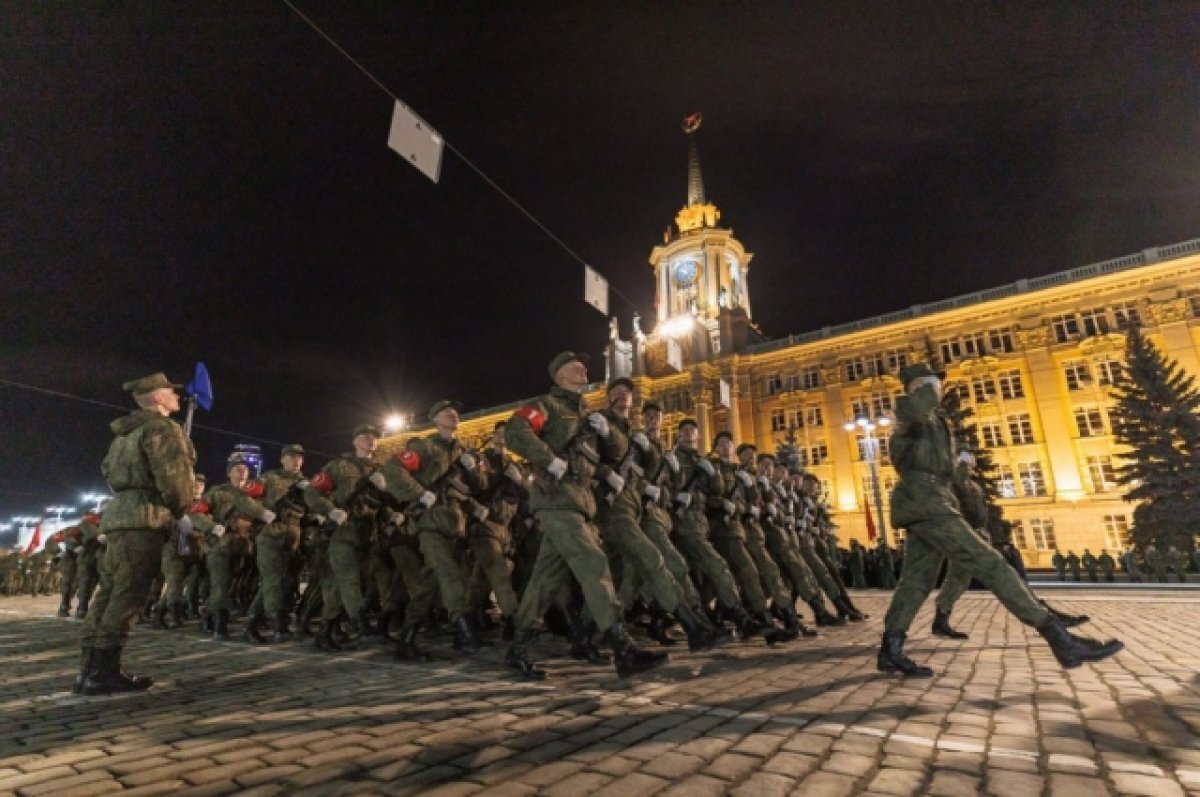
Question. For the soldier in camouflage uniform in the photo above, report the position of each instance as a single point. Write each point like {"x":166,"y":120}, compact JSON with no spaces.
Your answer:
{"x":68,"y":569}
{"x":149,"y":468}
{"x":87,"y":563}
{"x":924,"y":502}
{"x":556,"y":436}
{"x":9,"y":573}
{"x":234,"y":508}
{"x":491,"y":538}
{"x":807,"y":489}
{"x":1107,"y":565}
{"x":181,"y":556}
{"x":283,"y":494}
{"x":1091,"y":565}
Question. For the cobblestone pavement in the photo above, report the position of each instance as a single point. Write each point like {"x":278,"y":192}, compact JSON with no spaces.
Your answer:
{"x":811,"y":718}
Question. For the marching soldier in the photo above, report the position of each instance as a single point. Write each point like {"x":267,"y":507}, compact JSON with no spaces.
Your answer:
{"x":783,"y":539}
{"x":149,"y":468}
{"x":283,"y":494}
{"x":1091,"y":565}
{"x":923,"y":451}
{"x":87,"y":566}
{"x":812,"y":546}
{"x":68,"y":569}
{"x":1073,"y":565}
{"x":555,"y":437}
{"x":857,"y":565}
{"x":1107,"y":565}
{"x":181,"y":556}
{"x":491,"y":538}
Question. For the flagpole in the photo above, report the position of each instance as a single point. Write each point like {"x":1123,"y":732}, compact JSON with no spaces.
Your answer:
{"x":187,"y":422}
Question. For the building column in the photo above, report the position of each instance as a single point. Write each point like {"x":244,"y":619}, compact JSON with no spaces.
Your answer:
{"x":844,"y":484}
{"x":1054,"y":414}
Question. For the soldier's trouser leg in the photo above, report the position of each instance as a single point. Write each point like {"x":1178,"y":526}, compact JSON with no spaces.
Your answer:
{"x":768,"y":568}
{"x":331,"y":597}
{"x":570,"y":545}
{"x":791,"y":563}
{"x":733,"y":549}
{"x":89,"y":576}
{"x":953,"y":586}
{"x":175,"y":570}
{"x":491,"y":562}
{"x":622,"y":531}
{"x":949,"y":536}
{"x":220,"y":580}
{"x":655,"y":527}
{"x":817,"y":565}
{"x":66,"y":587}
{"x":441,"y":562}
{"x":128,"y":569}
{"x":408,"y":565}
{"x":830,"y":559}
{"x":701,"y":555}
{"x":271,"y":556}
{"x":344,"y":559}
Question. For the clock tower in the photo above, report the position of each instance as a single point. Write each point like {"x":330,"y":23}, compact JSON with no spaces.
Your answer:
{"x":700,"y":274}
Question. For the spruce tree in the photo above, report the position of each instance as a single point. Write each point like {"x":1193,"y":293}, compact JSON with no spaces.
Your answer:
{"x":1155,"y":417}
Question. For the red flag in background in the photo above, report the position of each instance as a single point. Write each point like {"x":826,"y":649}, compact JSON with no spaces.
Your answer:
{"x":871,"y":533}
{"x":36,"y":542}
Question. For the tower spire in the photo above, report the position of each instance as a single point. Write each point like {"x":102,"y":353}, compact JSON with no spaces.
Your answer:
{"x":691,"y":124}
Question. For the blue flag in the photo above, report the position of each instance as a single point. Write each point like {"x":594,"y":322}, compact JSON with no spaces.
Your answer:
{"x":201,"y":388}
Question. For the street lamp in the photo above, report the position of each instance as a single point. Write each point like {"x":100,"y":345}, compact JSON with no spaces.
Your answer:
{"x":395,"y":422}
{"x":97,"y":499}
{"x":870,"y":452}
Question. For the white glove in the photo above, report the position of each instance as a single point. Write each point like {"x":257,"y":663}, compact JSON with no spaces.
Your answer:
{"x":302,"y":484}
{"x":672,"y":461}
{"x":729,"y":506}
{"x":396,"y":518}
{"x":651,"y":492}
{"x":379,"y":480}
{"x":755,"y":512}
{"x":641,"y":441}
{"x":557,"y":468}
{"x":599,"y":423}
{"x":706,"y":466}
{"x":103,"y":538}
{"x":338,"y":516}
{"x":772,"y":510}
{"x":218,"y":531}
{"x":427,"y":499}
{"x":267,"y":516}
{"x":614,"y":480}
{"x":764,"y":482}
{"x":745,"y":478}
{"x":513,"y":473}
{"x":184,"y":524}
{"x":468,"y":462}
{"x":480,"y":513}
{"x":966,"y":457}
{"x":684,"y":499}
{"x":789,"y":520}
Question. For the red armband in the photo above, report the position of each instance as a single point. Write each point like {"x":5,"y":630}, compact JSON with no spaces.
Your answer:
{"x":322,"y":483}
{"x":532,"y":416}
{"x":409,"y":460}
{"x":200,"y":508}
{"x":254,"y":489}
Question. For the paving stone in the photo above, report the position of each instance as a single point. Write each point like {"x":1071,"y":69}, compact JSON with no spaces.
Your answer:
{"x":635,"y":784}
{"x":732,"y":767}
{"x":765,"y":784}
{"x":1004,"y":783}
{"x":673,"y":766}
{"x":1065,"y":785}
{"x":697,"y":786}
{"x":898,"y":781}
{"x":1130,"y":783}
{"x":826,"y":784}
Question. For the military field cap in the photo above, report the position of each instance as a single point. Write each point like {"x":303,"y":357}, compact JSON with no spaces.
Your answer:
{"x":200,"y":477}
{"x":294,"y":448}
{"x":438,"y":406}
{"x":687,"y":422}
{"x":745,"y":447}
{"x":148,"y":383}
{"x":766,"y":456}
{"x":235,"y":459}
{"x":917,"y":370}
{"x":564,"y":357}
{"x":650,"y":406}
{"x":366,"y":428}
{"x":618,"y":382}
{"x":720,"y":435}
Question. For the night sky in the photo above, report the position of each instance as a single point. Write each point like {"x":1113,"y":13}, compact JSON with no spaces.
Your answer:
{"x":211,"y":181}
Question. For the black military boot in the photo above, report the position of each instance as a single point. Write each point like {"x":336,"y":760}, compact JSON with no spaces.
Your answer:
{"x":942,"y":627}
{"x":507,"y":629}
{"x":892,"y":659}
{"x":1071,"y":650}
{"x":221,"y":625}
{"x":823,"y":616}
{"x":846,"y":611}
{"x":701,"y":634}
{"x":406,"y":646}
{"x":855,"y":612}
{"x":137,"y":682}
{"x":282,"y":634}
{"x":85,"y":667}
{"x":791,"y":622}
{"x":466,"y":638}
{"x":366,"y":630}
{"x":385,"y":626}
{"x":253,"y":631}
{"x":177,"y":613}
{"x":1068,"y":620}
{"x":517,"y":657}
{"x":745,"y":624}
{"x":105,"y":678}
{"x":160,"y":616}
{"x":64,"y":609}
{"x":325,"y":640}
{"x":207,"y":622}
{"x":630,"y":659}
{"x":582,"y":647}
{"x":774,"y":635}
{"x":82,"y":609}
{"x":657,"y":630}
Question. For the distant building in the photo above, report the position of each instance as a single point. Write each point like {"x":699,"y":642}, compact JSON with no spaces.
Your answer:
{"x":1035,"y":359}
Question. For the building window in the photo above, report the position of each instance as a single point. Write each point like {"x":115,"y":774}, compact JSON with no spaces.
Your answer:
{"x":818,"y":454}
{"x":679,"y":401}
{"x":1102,"y":473}
{"x":1018,"y":532}
{"x":810,"y":378}
{"x":1108,"y":370}
{"x":984,"y":389}
{"x":854,"y":369}
{"x":961,"y":388}
{"x":1000,"y":341}
{"x":896,"y":359}
{"x":1095,"y":321}
{"x":1116,"y":532}
{"x":1032,"y":481}
{"x":1043,"y":533}
{"x":881,"y":404}
{"x":1010,"y":384}
{"x":1089,"y":421}
{"x":1077,"y":374}
{"x":1193,"y":299}
{"x":813,"y":416}
{"x":1020,"y":429}
{"x":778,"y":421}
{"x":1006,"y":486}
{"x":774,"y":384}
{"x":1065,"y":327}
{"x":991,"y":434}
{"x":791,"y":382}
{"x":1125,"y":313}
{"x":951,"y":351}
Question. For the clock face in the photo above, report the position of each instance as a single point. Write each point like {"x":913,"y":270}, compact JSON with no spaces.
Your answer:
{"x":685,"y":272}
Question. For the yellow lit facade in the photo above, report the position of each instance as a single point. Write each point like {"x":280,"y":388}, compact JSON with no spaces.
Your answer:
{"x":1034,"y":359}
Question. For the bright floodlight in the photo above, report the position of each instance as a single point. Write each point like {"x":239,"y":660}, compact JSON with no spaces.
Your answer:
{"x":394,"y":422}
{"x":849,"y":426}
{"x":679,"y":325}
{"x":884,"y":421}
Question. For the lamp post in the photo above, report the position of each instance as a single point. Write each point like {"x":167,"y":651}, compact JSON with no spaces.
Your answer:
{"x":96,"y":499}
{"x":870,"y":452}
